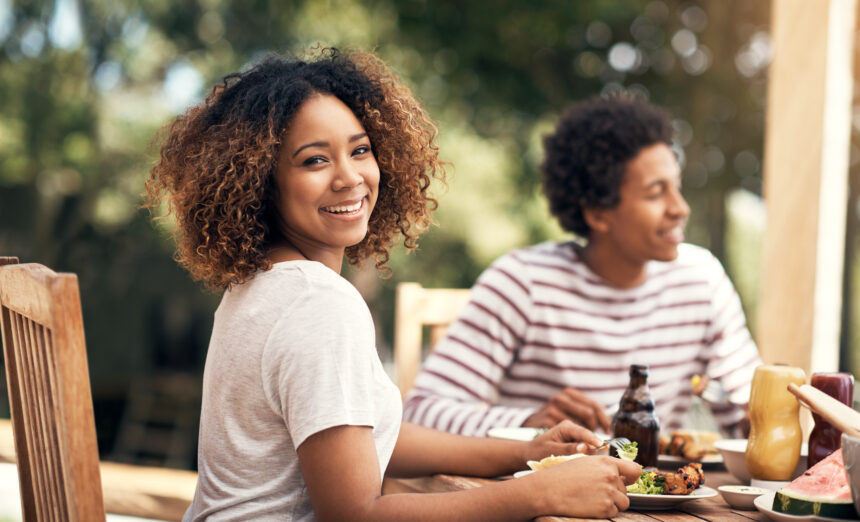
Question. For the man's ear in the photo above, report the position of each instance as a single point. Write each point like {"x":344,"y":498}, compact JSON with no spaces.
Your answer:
{"x":595,"y":217}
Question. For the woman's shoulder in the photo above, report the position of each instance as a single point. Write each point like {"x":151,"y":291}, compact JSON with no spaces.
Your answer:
{"x":291,"y":282}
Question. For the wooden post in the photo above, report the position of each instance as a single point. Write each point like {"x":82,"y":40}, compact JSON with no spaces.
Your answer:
{"x":806,"y":178}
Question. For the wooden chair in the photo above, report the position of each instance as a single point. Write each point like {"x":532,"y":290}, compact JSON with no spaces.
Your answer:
{"x":417,"y":307}
{"x":49,"y":394}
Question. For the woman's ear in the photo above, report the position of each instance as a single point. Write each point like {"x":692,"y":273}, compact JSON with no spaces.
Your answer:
{"x":595,"y":217}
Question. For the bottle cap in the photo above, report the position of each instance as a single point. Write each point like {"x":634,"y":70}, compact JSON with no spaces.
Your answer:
{"x":638,"y":369}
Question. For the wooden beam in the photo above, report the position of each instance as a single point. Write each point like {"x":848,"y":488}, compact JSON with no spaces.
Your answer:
{"x":807,"y":140}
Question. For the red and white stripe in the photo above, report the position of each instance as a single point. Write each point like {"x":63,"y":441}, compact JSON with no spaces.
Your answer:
{"x":539,"y":320}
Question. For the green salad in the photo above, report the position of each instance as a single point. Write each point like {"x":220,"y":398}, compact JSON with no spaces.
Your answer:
{"x":648,"y":483}
{"x":628,"y":451}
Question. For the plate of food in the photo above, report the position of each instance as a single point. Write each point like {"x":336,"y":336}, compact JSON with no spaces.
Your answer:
{"x":546,"y":462}
{"x":674,"y":460}
{"x":665,"y":489}
{"x":654,"y":502}
{"x":682,"y":446}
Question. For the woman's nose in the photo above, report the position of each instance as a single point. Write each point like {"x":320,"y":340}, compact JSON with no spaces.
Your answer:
{"x":347,"y":175}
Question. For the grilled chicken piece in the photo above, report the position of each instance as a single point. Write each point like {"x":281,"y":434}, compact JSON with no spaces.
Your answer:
{"x":685,"y":480}
{"x":682,"y":445}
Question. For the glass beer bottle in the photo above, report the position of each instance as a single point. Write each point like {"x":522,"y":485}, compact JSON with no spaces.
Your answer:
{"x":635,"y":418}
{"x":824,"y":438}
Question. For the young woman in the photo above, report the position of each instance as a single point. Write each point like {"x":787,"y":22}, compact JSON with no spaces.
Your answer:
{"x":285,"y":170}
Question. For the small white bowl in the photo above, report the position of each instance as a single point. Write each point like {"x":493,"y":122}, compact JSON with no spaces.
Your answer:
{"x":734,"y":458}
{"x":770,"y":485}
{"x":733,"y":451}
{"x":739,"y":496}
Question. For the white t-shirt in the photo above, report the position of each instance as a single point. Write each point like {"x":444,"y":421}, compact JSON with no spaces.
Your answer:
{"x":292,"y":353}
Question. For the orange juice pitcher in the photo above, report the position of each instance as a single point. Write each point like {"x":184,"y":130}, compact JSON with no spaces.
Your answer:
{"x":773,"y":449}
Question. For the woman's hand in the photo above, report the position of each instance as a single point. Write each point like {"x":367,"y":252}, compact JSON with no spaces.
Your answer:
{"x":565,"y":438}
{"x":594,"y":486}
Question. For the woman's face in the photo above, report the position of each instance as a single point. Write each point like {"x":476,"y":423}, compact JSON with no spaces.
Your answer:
{"x":327,"y":178}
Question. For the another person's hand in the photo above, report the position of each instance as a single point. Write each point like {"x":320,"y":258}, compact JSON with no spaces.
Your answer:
{"x":594,"y":486}
{"x":571,"y":404}
{"x":699,"y":383}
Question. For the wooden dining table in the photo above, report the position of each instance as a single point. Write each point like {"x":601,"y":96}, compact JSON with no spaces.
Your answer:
{"x":713,"y":508}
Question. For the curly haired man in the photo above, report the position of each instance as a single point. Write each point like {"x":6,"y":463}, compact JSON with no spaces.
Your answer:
{"x":551,"y":330}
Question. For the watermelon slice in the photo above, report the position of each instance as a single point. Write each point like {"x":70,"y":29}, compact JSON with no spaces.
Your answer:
{"x":822,"y":490}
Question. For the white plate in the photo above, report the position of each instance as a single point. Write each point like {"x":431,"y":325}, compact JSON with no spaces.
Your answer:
{"x":653,"y":502}
{"x":675,"y":459}
{"x":515,"y":433}
{"x":764,"y":504}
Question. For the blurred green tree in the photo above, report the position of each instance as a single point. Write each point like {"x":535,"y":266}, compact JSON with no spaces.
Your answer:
{"x":86,"y":86}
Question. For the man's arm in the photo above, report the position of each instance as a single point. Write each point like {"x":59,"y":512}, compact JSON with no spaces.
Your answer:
{"x":457,"y":388}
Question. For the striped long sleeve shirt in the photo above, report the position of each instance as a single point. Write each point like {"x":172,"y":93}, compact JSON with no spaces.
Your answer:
{"x":540,"y":320}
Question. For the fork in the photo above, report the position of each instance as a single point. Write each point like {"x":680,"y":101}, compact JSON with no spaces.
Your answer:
{"x":618,"y":443}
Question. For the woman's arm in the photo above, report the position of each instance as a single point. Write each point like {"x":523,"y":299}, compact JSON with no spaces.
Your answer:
{"x":425,"y":451}
{"x":341,"y":470}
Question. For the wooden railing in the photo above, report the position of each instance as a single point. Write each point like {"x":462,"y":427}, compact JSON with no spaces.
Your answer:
{"x":140,"y":491}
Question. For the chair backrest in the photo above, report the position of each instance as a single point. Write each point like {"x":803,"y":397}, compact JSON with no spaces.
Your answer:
{"x":49,"y":394}
{"x":416,"y":307}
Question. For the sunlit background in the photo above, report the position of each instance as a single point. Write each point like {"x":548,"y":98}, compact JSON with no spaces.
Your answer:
{"x":85,"y":87}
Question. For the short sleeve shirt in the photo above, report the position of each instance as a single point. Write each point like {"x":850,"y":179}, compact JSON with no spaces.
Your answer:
{"x":292,"y":353}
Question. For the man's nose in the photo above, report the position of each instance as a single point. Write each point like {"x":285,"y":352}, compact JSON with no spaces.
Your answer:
{"x":679,"y":206}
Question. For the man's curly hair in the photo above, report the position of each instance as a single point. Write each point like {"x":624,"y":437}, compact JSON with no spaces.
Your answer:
{"x":217,"y":164}
{"x":587,"y":155}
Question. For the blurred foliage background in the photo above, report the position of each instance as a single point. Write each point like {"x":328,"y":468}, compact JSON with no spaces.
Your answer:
{"x":87,"y":84}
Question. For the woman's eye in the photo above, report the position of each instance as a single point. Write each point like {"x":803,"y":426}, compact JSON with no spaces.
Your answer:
{"x":363,"y":149}
{"x":313,"y":160}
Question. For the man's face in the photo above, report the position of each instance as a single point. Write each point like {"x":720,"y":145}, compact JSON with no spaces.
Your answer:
{"x":648,"y":221}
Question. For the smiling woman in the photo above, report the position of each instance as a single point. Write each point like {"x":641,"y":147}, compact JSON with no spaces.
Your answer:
{"x":283,"y":172}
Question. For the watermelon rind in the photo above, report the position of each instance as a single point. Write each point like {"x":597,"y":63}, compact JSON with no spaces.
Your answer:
{"x":793,"y":504}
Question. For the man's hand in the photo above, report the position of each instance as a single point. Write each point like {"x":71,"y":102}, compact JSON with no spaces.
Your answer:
{"x":571,"y":404}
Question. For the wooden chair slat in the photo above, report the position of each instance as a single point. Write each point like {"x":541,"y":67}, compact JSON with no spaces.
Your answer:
{"x":46,"y":391}
{"x":8,"y":324}
{"x":30,"y":350}
{"x":54,"y":402}
{"x":30,"y":415}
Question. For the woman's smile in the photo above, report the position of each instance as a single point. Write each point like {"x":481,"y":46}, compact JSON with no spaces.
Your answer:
{"x":353,"y":209}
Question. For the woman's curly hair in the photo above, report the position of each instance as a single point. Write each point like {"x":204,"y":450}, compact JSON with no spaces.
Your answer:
{"x":585,"y":158}
{"x":217,"y":163}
